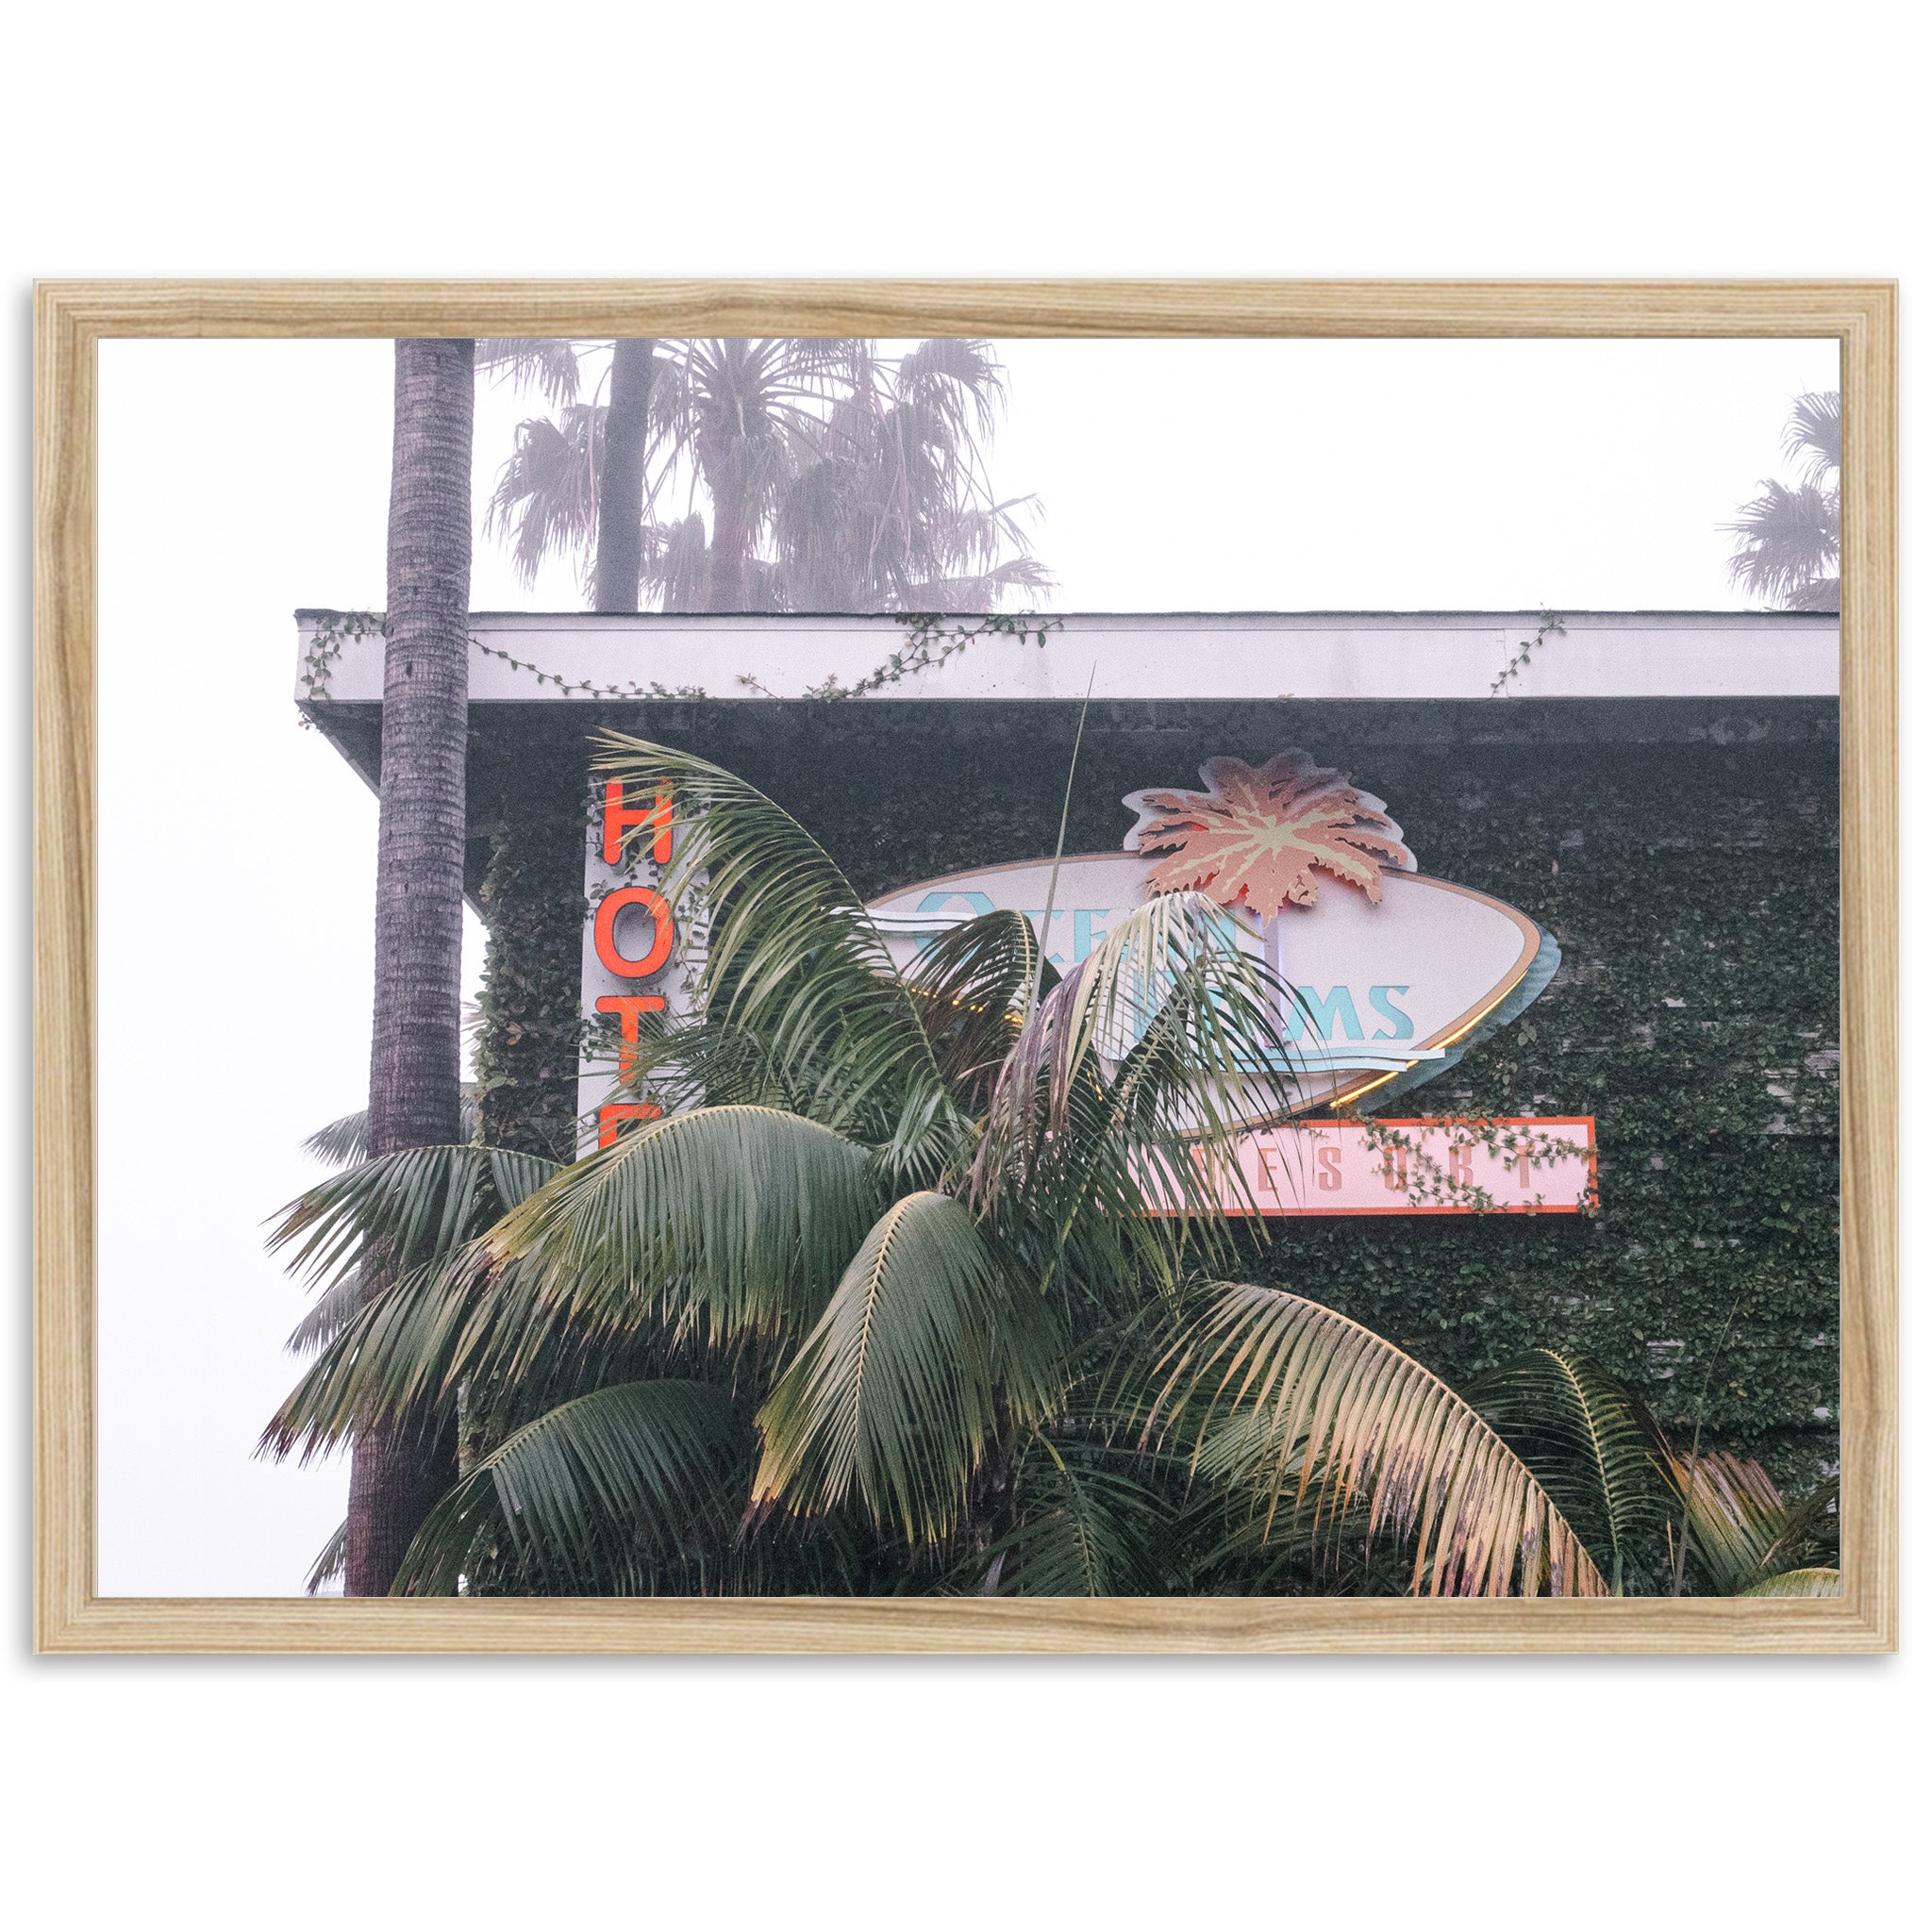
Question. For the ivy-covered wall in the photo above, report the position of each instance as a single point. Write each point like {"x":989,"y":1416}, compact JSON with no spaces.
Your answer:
{"x":527,"y":867}
{"x":1684,"y":853}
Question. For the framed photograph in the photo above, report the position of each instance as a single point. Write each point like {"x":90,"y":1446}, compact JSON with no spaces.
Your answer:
{"x":966,"y":966}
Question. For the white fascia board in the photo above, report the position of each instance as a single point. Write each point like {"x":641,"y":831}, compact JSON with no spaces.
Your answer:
{"x":1211,"y":655}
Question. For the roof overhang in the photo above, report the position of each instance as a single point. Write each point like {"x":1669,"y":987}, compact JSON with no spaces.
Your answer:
{"x":527,"y":658}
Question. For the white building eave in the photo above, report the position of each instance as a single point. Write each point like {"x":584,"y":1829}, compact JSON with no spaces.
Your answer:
{"x":524,"y":658}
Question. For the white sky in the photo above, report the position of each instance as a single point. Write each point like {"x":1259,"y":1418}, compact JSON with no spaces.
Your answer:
{"x":239,"y":480}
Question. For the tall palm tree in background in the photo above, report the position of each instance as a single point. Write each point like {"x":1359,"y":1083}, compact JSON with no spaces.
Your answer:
{"x":835,"y":478}
{"x":878,"y":1304}
{"x":889,"y":506}
{"x":1788,"y":539}
{"x":581,"y":476}
{"x":742,"y":413}
{"x":621,"y":475}
{"x":415,"y":1094}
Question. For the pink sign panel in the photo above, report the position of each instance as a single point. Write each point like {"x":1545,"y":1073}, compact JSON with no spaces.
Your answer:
{"x":1539,"y":1165}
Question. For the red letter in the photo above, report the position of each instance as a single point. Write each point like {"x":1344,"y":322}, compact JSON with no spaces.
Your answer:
{"x":617,"y":820}
{"x":627,"y":1005}
{"x":608,"y":1116}
{"x":1328,"y":1169}
{"x":608,"y":956}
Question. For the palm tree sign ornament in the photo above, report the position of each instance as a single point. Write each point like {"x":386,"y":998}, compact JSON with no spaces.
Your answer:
{"x":1256,"y":838}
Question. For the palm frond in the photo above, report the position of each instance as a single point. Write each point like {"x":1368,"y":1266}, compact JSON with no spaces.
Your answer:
{"x":1178,"y":1028}
{"x":334,"y":1309}
{"x":586,"y":1495}
{"x":1821,"y":593}
{"x":545,"y":363}
{"x":703,"y":1062}
{"x":1738,"y":1526}
{"x":386,"y":1367}
{"x":1815,"y":436}
{"x":415,"y":1205}
{"x":344,"y":1142}
{"x":746,"y":1213}
{"x":331,"y":1561}
{"x":1303,"y":1413}
{"x":676,"y":562}
{"x":1788,"y":539}
{"x":967,"y":988}
{"x":489,"y":1348}
{"x":1085,"y":1529}
{"x":892,"y":1397}
{"x":1594,"y":1447}
{"x":545,"y":499}
{"x":1798,"y":1583}
{"x":1810,"y":1528}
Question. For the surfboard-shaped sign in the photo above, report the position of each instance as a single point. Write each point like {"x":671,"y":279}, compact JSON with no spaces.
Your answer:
{"x":1396,"y":974}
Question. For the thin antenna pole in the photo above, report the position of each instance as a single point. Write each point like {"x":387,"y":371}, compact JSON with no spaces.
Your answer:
{"x":1053,"y":882}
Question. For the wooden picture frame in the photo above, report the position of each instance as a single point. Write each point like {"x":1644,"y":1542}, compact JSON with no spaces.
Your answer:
{"x":71,"y":317}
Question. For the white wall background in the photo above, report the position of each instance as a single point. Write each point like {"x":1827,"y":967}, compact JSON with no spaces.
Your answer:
{"x":1494,"y":139}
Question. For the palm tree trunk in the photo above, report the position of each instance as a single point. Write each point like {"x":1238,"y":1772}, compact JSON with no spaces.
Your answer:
{"x":730,"y":540}
{"x":415,"y":1057}
{"x":621,"y":497}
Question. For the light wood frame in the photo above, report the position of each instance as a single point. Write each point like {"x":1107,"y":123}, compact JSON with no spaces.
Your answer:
{"x":71,"y":317}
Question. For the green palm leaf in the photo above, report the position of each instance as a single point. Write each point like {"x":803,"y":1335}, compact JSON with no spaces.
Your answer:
{"x":389,"y":1366}
{"x":334,"y":1309}
{"x":893,"y":1397}
{"x":464,"y":1341}
{"x":587,"y":1497}
{"x":414,"y":1206}
{"x":344,"y":1142}
{"x":966,"y":989}
{"x":331,"y":1561}
{"x":1591,"y":1445}
{"x":1084,"y":1530}
{"x":1799,"y":1583}
{"x":744,"y":1213}
{"x":1170,"y":1001}
{"x":1131,"y":1082}
{"x":1297,"y":1408}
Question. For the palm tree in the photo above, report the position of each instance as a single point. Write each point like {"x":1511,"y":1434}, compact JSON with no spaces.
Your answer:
{"x":577,"y":484}
{"x":836,"y":478}
{"x":889,"y":506}
{"x":415,"y":1055}
{"x":1788,"y":539}
{"x":744,"y":412}
{"x":877,"y":1303}
{"x":621,"y":497}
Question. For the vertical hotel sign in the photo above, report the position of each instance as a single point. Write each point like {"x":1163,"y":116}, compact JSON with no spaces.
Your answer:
{"x":642,"y":953}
